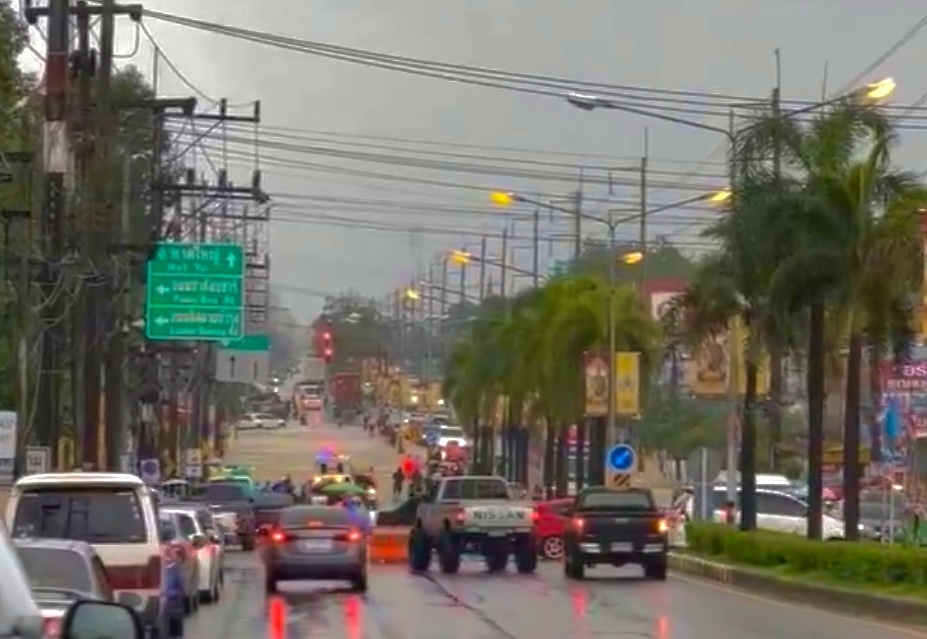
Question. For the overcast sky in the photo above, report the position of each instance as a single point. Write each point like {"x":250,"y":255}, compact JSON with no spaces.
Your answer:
{"x":718,"y":46}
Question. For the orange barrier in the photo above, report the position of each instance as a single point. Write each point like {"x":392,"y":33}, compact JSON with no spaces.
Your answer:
{"x":389,"y":545}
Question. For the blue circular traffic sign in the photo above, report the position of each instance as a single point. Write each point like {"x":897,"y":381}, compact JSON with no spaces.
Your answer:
{"x":621,"y":458}
{"x":431,"y":438}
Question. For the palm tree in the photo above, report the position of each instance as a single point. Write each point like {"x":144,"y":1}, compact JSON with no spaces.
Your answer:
{"x":531,"y":353}
{"x":860,"y":251}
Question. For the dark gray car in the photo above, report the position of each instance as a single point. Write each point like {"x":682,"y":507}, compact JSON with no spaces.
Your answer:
{"x":316,"y":543}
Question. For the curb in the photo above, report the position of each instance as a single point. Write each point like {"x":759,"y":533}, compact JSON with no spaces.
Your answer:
{"x":885,"y":608}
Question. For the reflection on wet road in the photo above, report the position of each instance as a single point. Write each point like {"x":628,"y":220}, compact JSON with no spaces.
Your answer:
{"x":474,"y":605}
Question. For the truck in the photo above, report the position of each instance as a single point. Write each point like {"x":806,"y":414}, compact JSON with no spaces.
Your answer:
{"x":473,"y":514}
{"x":346,"y":391}
{"x":309,"y":391}
{"x":615,"y":527}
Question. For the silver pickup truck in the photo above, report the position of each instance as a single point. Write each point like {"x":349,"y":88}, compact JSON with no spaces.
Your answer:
{"x":473,"y":514}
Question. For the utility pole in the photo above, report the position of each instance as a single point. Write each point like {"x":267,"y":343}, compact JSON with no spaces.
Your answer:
{"x":642,"y":267}
{"x":463,"y":282}
{"x":482,"y":268}
{"x":504,"y":266}
{"x":56,"y":162}
{"x":430,"y":326}
{"x":536,"y":257}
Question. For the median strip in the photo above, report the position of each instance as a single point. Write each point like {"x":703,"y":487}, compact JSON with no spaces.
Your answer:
{"x":882,"y":582}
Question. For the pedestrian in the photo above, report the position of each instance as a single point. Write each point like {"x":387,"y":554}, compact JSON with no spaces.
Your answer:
{"x":398,"y":479}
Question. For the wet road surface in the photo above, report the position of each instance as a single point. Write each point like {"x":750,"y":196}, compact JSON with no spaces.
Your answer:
{"x":474,"y":605}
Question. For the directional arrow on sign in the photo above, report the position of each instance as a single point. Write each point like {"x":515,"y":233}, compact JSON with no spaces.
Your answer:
{"x":231,"y":260}
{"x":162,"y":289}
{"x":160,"y":321}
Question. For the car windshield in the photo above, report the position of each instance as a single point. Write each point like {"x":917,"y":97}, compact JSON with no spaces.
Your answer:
{"x":56,"y":568}
{"x":451,"y":431}
{"x":94,"y":515}
{"x":307,"y":516}
{"x":607,"y":500}
{"x":228,"y":491}
{"x":264,"y":416}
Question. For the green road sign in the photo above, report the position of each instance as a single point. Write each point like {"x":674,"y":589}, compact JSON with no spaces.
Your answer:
{"x":195,"y":292}
{"x":254,"y":343}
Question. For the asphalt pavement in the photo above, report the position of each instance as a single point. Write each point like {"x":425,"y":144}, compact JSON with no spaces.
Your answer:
{"x":474,"y":605}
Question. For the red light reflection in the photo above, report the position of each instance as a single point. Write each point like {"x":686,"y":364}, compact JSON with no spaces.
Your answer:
{"x":276,"y":618}
{"x":580,"y":599}
{"x":353,"y":618}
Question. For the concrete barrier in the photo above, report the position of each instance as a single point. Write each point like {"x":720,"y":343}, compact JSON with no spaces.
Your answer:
{"x":389,"y":545}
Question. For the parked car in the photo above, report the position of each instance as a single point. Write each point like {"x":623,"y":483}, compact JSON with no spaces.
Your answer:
{"x":60,"y":573}
{"x":208,"y":547}
{"x":252,"y":421}
{"x":552,"y":520}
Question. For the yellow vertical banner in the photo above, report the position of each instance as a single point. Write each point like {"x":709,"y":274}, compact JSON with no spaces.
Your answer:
{"x":627,"y":383}
{"x":708,"y":370}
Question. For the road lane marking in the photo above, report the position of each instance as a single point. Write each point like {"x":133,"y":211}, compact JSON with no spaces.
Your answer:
{"x":781,"y":603}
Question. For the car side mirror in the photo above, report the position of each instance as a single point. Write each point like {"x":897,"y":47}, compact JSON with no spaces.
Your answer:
{"x":199,"y":541}
{"x":95,"y":619}
{"x":214,"y":536}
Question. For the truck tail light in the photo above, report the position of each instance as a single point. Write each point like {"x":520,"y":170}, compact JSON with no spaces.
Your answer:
{"x":662,"y":526}
{"x":460,"y":516}
{"x":578,"y":524}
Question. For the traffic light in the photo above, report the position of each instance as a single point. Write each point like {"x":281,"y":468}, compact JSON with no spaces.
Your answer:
{"x":327,"y":350}
{"x":408,"y":467}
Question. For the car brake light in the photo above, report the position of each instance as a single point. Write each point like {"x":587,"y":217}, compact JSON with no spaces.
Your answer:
{"x":662,"y":526}
{"x":52,"y":628}
{"x":579,"y":523}
{"x":353,"y":535}
{"x":535,"y":515}
{"x":460,"y":516}
{"x":278,"y":537}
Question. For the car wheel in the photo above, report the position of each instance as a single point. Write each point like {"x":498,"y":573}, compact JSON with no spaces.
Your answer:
{"x":359,"y":582}
{"x":655,"y":569}
{"x":448,"y":553}
{"x":552,"y":547}
{"x":526,"y":554}
{"x":419,"y":551}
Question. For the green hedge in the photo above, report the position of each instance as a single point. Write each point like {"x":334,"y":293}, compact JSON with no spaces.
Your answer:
{"x":849,"y":562}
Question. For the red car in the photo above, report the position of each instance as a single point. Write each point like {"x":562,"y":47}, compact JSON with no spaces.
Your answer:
{"x":552,"y":519}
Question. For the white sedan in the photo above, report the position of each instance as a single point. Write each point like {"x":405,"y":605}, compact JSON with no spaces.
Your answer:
{"x":252,"y":421}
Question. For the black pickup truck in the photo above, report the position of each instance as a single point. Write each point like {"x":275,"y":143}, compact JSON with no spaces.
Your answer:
{"x":616,"y":528}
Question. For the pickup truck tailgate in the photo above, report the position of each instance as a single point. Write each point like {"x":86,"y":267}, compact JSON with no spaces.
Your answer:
{"x":498,"y":516}
{"x":620,"y":526}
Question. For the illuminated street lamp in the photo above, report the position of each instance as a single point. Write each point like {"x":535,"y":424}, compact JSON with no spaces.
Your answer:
{"x":461,"y":258}
{"x":411,"y":294}
{"x":632,"y":258}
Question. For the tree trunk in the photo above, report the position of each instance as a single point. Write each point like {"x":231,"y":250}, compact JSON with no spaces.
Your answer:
{"x":748,"y":439}
{"x":524,"y":443}
{"x":775,"y":404}
{"x":816,"y":377}
{"x":876,"y":355}
{"x":581,"y":452}
{"x":477,"y":442}
{"x":851,"y":425}
{"x":550,"y":448}
{"x":597,"y":446}
{"x":562,"y":461}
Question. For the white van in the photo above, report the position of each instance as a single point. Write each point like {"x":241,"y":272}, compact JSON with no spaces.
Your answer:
{"x":113,"y":512}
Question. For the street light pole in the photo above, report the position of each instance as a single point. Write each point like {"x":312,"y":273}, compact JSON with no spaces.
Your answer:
{"x":610,"y":318}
